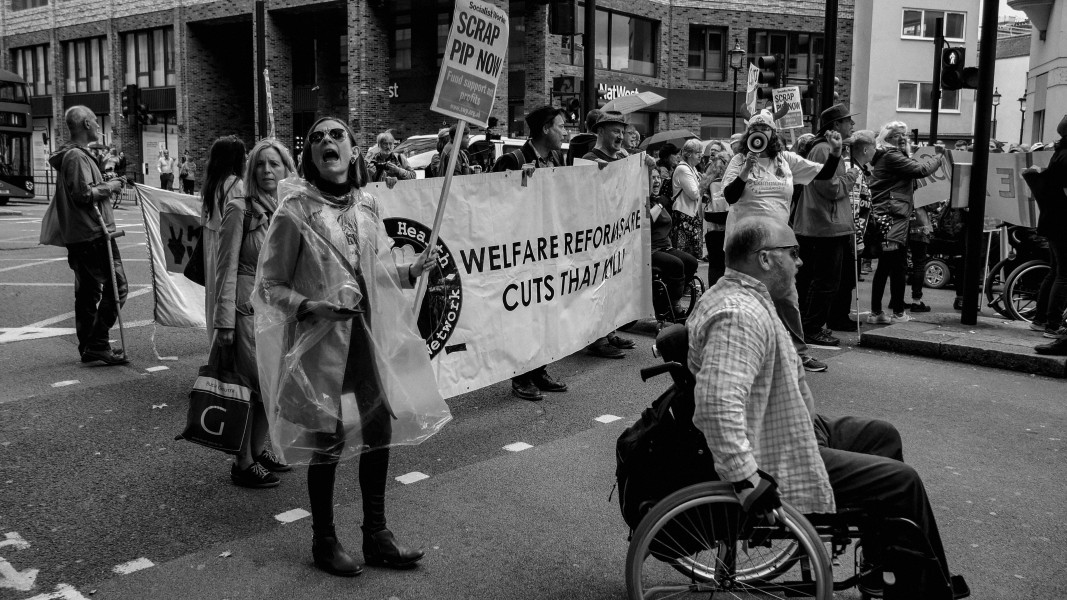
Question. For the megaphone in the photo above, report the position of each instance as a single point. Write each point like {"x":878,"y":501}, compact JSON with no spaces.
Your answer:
{"x":757,"y":141}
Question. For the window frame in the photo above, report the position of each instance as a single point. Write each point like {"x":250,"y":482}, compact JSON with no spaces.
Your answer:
{"x":705,"y":31}
{"x":922,"y":19}
{"x":919,"y":96}
{"x":158,"y":71}
{"x":97,"y":65}
{"x":575,"y":52}
{"x":815,"y":39}
{"x":17,"y":5}
{"x":39,"y":73}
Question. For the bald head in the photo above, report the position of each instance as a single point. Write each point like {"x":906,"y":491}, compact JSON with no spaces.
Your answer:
{"x":81,"y":123}
{"x":751,"y":234}
{"x":764,"y":248}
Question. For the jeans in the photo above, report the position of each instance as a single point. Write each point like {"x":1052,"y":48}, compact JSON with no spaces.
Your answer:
{"x":95,"y":308}
{"x":1052,"y":297}
{"x":917,"y":277}
{"x":715,"y":241}
{"x":825,"y":280}
{"x":892,"y":266}
{"x":165,"y":181}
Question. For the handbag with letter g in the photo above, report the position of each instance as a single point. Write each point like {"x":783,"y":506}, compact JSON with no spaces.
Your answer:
{"x":220,"y":405}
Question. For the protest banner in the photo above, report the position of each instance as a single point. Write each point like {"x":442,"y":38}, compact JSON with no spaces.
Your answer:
{"x":473,"y":61}
{"x":172,"y":228}
{"x":750,"y":89}
{"x":526,"y":274}
{"x":1008,"y":198}
{"x":937,"y":186}
{"x":789,"y":96}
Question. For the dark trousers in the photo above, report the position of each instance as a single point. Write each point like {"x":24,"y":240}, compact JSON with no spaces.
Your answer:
{"x":892,"y":266}
{"x":825,"y":280}
{"x":187,"y":185}
{"x":165,"y":180}
{"x":95,"y":308}
{"x":864,"y":460}
{"x":917,"y":277}
{"x":715,"y":240}
{"x":1052,"y":297}
{"x":526,"y":378}
{"x":675,"y":268}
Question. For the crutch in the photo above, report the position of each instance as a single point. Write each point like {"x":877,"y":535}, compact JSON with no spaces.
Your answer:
{"x":111,"y":268}
{"x":856,"y":275}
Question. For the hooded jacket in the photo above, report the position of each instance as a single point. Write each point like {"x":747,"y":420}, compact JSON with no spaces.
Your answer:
{"x":79,"y":186}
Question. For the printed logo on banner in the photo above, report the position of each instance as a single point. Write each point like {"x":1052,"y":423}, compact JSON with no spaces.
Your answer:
{"x":180,"y":234}
{"x":444,"y":294}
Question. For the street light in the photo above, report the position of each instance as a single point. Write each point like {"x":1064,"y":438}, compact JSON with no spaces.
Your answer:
{"x":996,"y":103}
{"x":1022,"y":120}
{"x":737,"y":58}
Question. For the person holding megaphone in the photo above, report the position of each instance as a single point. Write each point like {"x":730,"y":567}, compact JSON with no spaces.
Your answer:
{"x":759,"y":182}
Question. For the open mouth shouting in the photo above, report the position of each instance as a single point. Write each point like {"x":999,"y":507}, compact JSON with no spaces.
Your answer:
{"x":330,"y":155}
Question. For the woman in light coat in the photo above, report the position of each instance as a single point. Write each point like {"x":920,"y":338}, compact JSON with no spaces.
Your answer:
{"x":688,"y":232}
{"x":225,"y":167}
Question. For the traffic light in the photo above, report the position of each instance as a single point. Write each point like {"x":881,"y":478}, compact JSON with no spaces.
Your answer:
{"x":572,"y":108}
{"x":143,"y":115}
{"x":809,"y":98}
{"x":954,"y":75}
{"x":129,"y":100}
{"x":561,"y":17}
{"x":770,"y":75}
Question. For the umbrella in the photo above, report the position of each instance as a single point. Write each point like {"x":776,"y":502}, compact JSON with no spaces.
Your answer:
{"x":634,"y":102}
{"x":674,"y":136}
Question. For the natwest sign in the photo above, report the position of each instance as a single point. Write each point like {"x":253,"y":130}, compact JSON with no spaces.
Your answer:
{"x":617,"y":91}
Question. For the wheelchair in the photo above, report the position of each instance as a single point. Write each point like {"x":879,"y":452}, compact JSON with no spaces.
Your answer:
{"x":1012,"y":285}
{"x":664,"y":306}
{"x":698,"y":540}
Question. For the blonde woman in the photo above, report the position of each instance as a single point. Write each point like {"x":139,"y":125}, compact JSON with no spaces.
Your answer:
{"x":686,"y":209}
{"x":243,"y":228}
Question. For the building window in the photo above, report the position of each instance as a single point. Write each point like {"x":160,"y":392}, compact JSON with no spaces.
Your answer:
{"x":444,"y":24}
{"x":915,"y":96}
{"x":88,"y":65}
{"x":920,"y":24}
{"x":1037,"y":132}
{"x":707,"y":53}
{"x":150,"y":57}
{"x":802,"y":51}
{"x":623,"y":43}
{"x":31,"y":64}
{"x":24,"y":4}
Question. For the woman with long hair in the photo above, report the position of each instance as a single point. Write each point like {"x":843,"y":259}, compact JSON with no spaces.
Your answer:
{"x":343,"y":371}
{"x":244,"y":227}
{"x":222,"y":183}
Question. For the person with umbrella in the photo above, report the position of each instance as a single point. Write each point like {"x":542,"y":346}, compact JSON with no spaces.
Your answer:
{"x":760,"y":183}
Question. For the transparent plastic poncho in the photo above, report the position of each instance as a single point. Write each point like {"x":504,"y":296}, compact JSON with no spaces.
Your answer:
{"x":334,"y":389}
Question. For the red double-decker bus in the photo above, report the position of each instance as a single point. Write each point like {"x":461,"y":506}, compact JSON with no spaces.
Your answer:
{"x":16,"y":159}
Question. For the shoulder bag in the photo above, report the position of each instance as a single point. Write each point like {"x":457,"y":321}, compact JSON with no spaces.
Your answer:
{"x":194,"y":269}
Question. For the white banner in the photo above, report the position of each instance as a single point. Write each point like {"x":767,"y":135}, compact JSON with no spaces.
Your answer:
{"x":172,"y":228}
{"x":750,"y":89}
{"x":532,"y":269}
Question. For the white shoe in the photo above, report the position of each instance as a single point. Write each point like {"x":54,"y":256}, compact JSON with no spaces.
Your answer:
{"x":879,"y":318}
{"x":903,"y":317}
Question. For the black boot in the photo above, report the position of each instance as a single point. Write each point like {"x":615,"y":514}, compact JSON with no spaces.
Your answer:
{"x":331,"y":557}
{"x":380,"y":549}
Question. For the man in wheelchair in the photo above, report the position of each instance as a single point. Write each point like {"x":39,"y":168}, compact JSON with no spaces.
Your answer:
{"x":756,"y":411}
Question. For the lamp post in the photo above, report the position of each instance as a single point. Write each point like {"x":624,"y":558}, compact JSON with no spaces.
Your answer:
{"x":996,"y":103}
{"x":1022,"y":118}
{"x":737,"y":58}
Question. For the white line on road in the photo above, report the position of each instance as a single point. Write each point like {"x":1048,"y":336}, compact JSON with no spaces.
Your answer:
{"x":517,"y":447}
{"x":21,"y":581}
{"x":137,"y":564}
{"x":607,"y":418}
{"x":412,"y":477}
{"x":65,"y":383}
{"x":292,"y":515}
{"x":154,"y":369}
{"x":32,"y":264}
{"x":62,"y":592}
{"x":70,"y":315}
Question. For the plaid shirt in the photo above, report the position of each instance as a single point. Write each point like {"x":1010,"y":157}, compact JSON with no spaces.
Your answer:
{"x":752,"y":401}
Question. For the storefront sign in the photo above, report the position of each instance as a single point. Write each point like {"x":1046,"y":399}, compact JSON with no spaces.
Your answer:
{"x":473,"y":61}
{"x":789,"y":96}
{"x":617,"y":91}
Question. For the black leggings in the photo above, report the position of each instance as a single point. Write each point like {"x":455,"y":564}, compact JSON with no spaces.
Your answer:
{"x":675,"y":268}
{"x":892,"y":265}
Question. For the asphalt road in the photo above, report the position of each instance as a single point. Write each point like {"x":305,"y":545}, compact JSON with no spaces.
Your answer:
{"x":92,"y":482}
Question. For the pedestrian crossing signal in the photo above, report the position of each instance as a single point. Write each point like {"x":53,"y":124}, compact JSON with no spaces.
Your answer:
{"x":954,"y":74}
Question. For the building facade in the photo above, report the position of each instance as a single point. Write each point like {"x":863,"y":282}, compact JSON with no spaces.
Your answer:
{"x":1013,"y":61}
{"x":1046,"y":78}
{"x":893,"y":53}
{"x":199,"y":65}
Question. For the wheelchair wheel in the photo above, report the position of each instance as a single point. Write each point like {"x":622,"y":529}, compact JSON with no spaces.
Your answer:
{"x":694,"y":289}
{"x":1020,"y":291}
{"x":996,"y":283}
{"x":698,"y":541}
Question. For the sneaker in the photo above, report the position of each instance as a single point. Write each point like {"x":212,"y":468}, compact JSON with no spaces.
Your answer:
{"x":822,"y":338}
{"x":1039,"y":327}
{"x":270,"y":460}
{"x":1055,"y":334}
{"x":901,"y":317}
{"x":865,"y":267}
{"x":814,"y":365}
{"x":919,"y":307}
{"x":878,"y":318}
{"x":1053,"y":348}
{"x":255,"y":476}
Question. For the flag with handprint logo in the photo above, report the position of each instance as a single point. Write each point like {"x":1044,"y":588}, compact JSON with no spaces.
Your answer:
{"x":172,"y":226}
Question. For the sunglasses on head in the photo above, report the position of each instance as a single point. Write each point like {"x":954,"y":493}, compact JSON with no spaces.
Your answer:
{"x":317,"y":136}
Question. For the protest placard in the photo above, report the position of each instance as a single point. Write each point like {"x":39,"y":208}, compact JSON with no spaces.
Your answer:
{"x":473,"y":61}
{"x":789,"y":96}
{"x":750,"y":89}
{"x":937,"y":186}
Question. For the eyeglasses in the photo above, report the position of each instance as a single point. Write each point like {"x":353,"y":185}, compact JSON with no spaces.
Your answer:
{"x":794,"y":251}
{"x":336,"y":133}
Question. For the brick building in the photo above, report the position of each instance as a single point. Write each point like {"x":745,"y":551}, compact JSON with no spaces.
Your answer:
{"x":199,"y":64}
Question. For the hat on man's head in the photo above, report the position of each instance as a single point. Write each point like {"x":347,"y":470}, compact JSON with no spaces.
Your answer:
{"x":610,"y":117}
{"x":763,"y":117}
{"x":541,"y":116}
{"x":833,"y":114}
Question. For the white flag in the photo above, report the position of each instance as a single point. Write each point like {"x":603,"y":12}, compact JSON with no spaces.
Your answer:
{"x":172,"y":228}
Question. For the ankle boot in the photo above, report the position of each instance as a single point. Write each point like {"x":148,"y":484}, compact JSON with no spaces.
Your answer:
{"x":331,"y":557}
{"x":380,"y":549}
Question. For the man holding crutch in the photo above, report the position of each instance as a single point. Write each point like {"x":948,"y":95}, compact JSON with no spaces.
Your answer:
{"x":87,"y":226}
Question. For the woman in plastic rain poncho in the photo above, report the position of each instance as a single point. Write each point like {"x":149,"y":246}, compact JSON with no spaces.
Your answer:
{"x":342,"y":368}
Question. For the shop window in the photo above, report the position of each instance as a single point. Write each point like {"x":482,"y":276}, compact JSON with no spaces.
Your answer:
{"x":31,"y":64}
{"x":802,"y":51}
{"x":88,"y":65}
{"x":707,"y":53}
{"x":915,"y":96}
{"x":150,"y":57}
{"x":623,"y":43}
{"x":922,"y":24}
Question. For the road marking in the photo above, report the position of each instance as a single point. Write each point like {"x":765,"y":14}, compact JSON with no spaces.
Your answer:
{"x":607,"y":418}
{"x":518,"y":447}
{"x":65,"y":383}
{"x":70,"y":315}
{"x":63,"y":592}
{"x":12,"y":538}
{"x":21,"y":581}
{"x":412,"y":477}
{"x":32,"y":264}
{"x":133,"y":566}
{"x":292,"y":515}
{"x":154,"y":369}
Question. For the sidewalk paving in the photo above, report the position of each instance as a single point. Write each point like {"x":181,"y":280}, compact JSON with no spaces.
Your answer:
{"x":992,"y":342}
